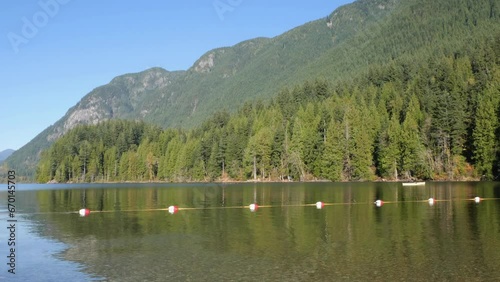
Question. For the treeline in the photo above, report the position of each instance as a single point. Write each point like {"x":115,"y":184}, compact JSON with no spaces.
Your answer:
{"x":438,"y":119}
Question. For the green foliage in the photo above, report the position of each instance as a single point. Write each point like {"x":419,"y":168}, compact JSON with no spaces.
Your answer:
{"x":402,"y":127}
{"x":389,"y":150}
{"x":110,"y":151}
{"x":306,"y":138}
{"x":332,"y":158}
{"x":485,"y":135}
{"x":385,"y":88}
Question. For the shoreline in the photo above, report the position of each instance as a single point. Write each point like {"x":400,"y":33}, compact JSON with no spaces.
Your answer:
{"x":260,"y":181}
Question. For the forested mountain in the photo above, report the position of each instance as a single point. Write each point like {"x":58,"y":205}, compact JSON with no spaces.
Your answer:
{"x":434,"y":53}
{"x":439,"y":119}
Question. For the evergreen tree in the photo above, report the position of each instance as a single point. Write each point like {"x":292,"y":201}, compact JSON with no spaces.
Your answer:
{"x":435,"y":119}
{"x":305,"y":138}
{"x":486,"y":125}
{"x":361,"y":142}
{"x":332,"y":158}
{"x":412,"y":151}
{"x":389,"y":150}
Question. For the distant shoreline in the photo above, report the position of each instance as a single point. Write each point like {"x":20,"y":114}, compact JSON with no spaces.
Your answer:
{"x":259,"y":181}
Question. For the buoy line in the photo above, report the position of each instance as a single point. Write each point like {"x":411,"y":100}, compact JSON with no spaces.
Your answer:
{"x":319,"y":205}
{"x":84,"y":212}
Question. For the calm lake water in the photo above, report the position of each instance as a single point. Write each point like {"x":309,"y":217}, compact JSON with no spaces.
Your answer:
{"x":129,"y":236}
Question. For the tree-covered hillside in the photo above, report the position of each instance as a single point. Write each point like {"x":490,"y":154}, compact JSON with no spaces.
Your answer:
{"x":438,"y":119}
{"x":362,"y":39}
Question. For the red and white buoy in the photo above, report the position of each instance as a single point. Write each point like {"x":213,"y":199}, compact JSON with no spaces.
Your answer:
{"x":173,"y":209}
{"x":431,"y":201}
{"x":379,"y":203}
{"x":477,"y":200}
{"x":84,"y":212}
{"x":320,"y":205}
{"x":253,"y":207}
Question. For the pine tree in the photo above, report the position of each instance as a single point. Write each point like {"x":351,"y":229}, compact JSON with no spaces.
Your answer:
{"x":332,"y":158}
{"x":124,"y":167}
{"x":84,"y":154}
{"x":360,"y":145}
{"x":306,"y":139}
{"x":111,"y":163}
{"x":486,"y":125}
{"x":411,"y":145}
{"x":389,"y":150}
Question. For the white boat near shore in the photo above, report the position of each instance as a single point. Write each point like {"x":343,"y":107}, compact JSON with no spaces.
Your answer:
{"x":414,"y":183}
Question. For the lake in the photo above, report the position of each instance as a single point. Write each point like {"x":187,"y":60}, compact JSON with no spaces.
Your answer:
{"x":130,"y":235}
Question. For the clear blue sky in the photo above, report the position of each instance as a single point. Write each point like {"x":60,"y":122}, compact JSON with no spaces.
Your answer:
{"x":53,"y":52}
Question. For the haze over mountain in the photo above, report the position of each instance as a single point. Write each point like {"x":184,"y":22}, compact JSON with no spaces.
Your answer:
{"x":5,"y":154}
{"x":350,"y":41}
